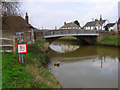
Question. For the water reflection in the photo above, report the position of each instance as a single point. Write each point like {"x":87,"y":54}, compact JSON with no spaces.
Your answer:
{"x":86,"y":67}
{"x":64,"y":48}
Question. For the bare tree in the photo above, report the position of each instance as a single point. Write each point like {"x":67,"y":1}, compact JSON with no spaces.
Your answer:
{"x":10,"y":8}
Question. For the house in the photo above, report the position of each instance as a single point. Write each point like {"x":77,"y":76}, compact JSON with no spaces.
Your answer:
{"x":111,"y":26}
{"x":17,"y":26}
{"x":70,"y":25}
{"x":90,"y":25}
{"x":96,"y":24}
{"x":118,"y":24}
{"x":101,"y":24}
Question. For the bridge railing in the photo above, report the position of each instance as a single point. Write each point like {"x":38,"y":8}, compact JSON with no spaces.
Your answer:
{"x":65,"y":32}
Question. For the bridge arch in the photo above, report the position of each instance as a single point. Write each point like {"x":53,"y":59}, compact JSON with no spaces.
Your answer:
{"x":88,"y":36}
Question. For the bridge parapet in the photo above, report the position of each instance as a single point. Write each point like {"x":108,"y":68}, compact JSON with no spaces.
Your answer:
{"x":58,"y":33}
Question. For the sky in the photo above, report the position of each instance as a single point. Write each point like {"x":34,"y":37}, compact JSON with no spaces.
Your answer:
{"x":48,"y":14}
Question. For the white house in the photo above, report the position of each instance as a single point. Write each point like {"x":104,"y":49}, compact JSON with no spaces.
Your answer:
{"x":96,"y":25}
{"x":101,"y":24}
{"x":111,"y":26}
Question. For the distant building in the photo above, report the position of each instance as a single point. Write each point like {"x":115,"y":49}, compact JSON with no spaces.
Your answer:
{"x":70,"y":25}
{"x":96,"y":25}
{"x":111,"y":26}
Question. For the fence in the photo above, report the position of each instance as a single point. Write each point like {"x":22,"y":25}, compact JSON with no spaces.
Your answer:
{"x":7,"y":44}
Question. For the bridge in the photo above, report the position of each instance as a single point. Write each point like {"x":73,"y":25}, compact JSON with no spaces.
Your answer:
{"x":69,"y":32}
{"x":88,"y":36}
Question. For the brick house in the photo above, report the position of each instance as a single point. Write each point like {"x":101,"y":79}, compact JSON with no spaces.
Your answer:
{"x":17,"y":26}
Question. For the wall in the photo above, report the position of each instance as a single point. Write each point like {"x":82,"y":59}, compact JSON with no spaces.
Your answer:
{"x":39,"y":36}
{"x":104,"y":34}
{"x":27,"y":37}
{"x":7,"y":34}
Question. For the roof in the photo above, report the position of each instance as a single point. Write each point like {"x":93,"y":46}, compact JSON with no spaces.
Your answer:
{"x":93,"y":23}
{"x":109,"y":25}
{"x":14,"y":23}
{"x":70,"y":25}
{"x":101,"y":22}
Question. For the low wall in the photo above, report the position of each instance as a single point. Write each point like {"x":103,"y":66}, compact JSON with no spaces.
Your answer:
{"x":38,"y":36}
{"x":104,"y":34}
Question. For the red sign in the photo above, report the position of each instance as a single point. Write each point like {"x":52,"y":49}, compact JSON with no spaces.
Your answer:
{"x":21,"y":48}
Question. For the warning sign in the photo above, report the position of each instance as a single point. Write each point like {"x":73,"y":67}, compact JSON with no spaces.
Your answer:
{"x":21,"y":48}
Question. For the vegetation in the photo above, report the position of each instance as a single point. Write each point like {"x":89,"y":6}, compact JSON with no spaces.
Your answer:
{"x":67,"y":40}
{"x":14,"y":74}
{"x":106,"y":29}
{"x":10,"y":8}
{"x":111,"y":40}
{"x":32,"y":74}
{"x":76,"y":22}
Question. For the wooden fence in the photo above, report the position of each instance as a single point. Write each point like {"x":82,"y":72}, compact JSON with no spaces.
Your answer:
{"x":6,"y":46}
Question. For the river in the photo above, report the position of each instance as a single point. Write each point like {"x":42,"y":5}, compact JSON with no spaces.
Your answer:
{"x":84,"y":66}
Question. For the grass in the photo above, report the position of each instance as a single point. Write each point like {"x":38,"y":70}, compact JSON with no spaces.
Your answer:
{"x":69,"y":38}
{"x":111,"y":40}
{"x":14,"y":74}
{"x":33,"y":74}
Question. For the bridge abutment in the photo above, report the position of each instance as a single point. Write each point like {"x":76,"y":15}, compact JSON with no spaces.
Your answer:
{"x":87,"y":39}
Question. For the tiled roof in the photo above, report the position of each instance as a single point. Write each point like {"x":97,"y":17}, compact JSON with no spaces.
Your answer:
{"x":109,"y":25}
{"x":101,"y":22}
{"x":70,"y":25}
{"x":93,"y":23}
{"x":14,"y":23}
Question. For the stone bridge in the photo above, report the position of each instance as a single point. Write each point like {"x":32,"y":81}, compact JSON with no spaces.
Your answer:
{"x":88,"y":36}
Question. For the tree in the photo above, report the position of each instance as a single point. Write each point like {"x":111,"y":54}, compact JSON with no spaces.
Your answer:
{"x":10,"y":8}
{"x":106,"y":29}
{"x":76,"y":22}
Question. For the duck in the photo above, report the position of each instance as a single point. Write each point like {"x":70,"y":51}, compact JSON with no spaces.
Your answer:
{"x":57,"y":63}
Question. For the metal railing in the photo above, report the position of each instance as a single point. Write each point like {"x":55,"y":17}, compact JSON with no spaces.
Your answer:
{"x":67,"y":32}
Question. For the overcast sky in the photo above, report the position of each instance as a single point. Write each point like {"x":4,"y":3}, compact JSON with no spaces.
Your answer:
{"x":55,"y":12}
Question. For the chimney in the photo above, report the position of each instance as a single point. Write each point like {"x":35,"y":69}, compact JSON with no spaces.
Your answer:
{"x":100,"y":17}
{"x":64,"y":23}
{"x":26,"y":18}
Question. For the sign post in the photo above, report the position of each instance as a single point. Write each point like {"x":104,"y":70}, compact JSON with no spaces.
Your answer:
{"x":22,"y":49}
{"x":22,"y":59}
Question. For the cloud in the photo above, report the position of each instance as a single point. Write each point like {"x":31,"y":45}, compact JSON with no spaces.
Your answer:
{"x":96,"y":1}
{"x":51,"y":14}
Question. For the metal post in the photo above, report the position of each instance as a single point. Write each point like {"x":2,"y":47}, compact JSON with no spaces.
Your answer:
{"x":22,"y":59}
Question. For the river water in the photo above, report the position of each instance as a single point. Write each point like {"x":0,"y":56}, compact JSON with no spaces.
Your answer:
{"x":84,"y":66}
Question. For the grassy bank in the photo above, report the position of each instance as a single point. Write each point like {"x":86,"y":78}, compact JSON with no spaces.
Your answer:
{"x":112,"y":40}
{"x":33,"y":74}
